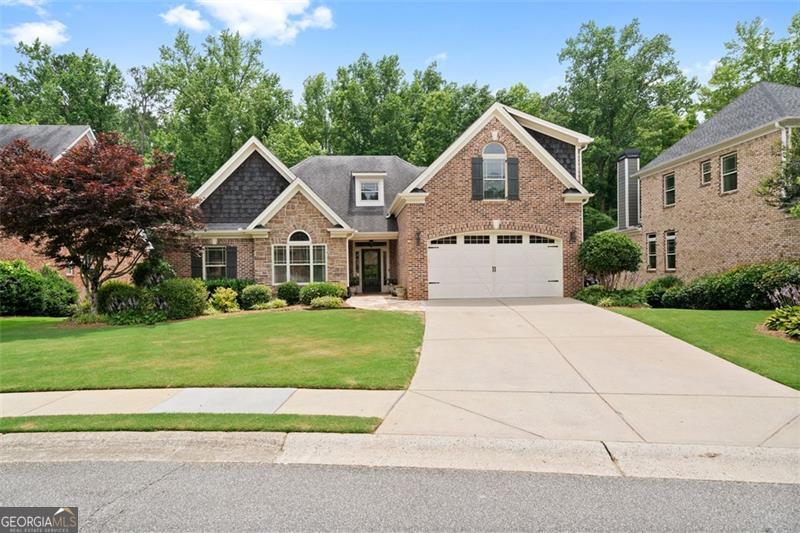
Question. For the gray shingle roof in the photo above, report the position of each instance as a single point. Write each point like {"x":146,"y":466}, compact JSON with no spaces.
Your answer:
{"x":52,"y":139}
{"x":761,"y":104}
{"x":331,"y":177}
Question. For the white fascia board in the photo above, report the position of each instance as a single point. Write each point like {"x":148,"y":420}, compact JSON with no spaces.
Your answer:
{"x":499,"y":111}
{"x":231,"y":234}
{"x":341,"y":233}
{"x":404,"y":198}
{"x":575,"y":198}
{"x":374,"y":235}
{"x":227,"y":168}
{"x":553,"y":130}
{"x":86,"y":133}
{"x":297,"y":186}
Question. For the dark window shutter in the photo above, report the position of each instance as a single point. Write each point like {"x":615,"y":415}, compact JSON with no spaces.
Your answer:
{"x":513,"y":178}
{"x":197,"y":264}
{"x":477,"y":178}
{"x":231,"y":256}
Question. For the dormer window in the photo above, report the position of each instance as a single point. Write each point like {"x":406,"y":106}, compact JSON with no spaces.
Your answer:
{"x":369,"y":188}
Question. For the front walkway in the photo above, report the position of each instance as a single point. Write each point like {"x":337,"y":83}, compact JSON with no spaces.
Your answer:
{"x":561,"y":369}
{"x":385,"y":302}
{"x":201,"y":400}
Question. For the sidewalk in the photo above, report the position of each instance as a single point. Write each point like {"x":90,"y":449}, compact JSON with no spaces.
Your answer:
{"x":342,"y":402}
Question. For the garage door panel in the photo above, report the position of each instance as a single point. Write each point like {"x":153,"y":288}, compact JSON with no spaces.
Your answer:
{"x":501,"y":270}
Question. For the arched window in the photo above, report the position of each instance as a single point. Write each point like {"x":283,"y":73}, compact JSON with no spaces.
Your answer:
{"x":299,"y":260}
{"x":494,"y":171}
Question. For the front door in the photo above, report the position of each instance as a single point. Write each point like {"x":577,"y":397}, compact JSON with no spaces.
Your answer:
{"x":371,"y":270}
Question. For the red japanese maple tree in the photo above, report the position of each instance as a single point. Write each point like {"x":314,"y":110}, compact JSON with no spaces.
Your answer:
{"x":98,"y":208}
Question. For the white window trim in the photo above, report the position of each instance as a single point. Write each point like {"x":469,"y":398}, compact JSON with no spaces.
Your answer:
{"x":484,"y":179}
{"x":673,"y":189}
{"x":722,"y":173}
{"x":204,"y":260}
{"x":651,"y":238}
{"x":311,"y":264}
{"x":670,"y":236}
{"x":702,"y":173}
{"x":368,"y":177}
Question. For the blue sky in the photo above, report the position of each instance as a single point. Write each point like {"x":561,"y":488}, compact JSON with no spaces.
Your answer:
{"x":496,"y":43}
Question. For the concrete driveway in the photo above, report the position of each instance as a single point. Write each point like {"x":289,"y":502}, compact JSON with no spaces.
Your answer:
{"x":560,"y":369}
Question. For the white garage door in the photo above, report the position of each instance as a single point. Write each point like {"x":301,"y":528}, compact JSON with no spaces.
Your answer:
{"x":487,"y":265}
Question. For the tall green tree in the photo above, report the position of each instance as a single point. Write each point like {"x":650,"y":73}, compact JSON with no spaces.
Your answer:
{"x":754,"y":55}
{"x":220,"y":96}
{"x":315,"y":125}
{"x":146,"y":99}
{"x":615,"y":80}
{"x":68,"y":88}
{"x":520,"y":97}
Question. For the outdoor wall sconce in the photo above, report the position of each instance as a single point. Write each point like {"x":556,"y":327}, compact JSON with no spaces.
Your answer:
{"x":573,"y":236}
{"x":418,"y":238}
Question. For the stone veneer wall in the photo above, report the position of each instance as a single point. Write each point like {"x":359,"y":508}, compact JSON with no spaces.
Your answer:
{"x":449,"y":209}
{"x":716,"y":231}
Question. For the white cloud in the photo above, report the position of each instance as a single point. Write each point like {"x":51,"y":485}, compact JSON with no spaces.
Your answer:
{"x":441,"y":56}
{"x":702,"y":71}
{"x":277,"y":20}
{"x":36,"y":5}
{"x":50,"y":32}
{"x":188,"y":18}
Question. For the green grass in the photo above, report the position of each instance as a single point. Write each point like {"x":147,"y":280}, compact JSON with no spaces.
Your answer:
{"x":190,"y":422}
{"x":350,"y":349}
{"x":731,"y":335}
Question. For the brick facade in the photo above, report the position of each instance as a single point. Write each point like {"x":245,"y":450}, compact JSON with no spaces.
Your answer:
{"x":254,"y":254}
{"x":12,"y":248}
{"x":716,"y":231}
{"x":449,"y":209}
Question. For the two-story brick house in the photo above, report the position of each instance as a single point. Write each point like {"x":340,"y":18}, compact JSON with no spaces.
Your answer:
{"x":498,"y":214}
{"x":695,"y":209}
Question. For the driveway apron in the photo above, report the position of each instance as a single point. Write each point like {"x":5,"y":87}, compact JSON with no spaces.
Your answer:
{"x":557,"y":368}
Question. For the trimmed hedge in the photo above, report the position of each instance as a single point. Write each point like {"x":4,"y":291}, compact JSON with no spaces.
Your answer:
{"x":607,"y":255}
{"x":253,"y":295}
{"x":224,"y":299}
{"x":289,"y":291}
{"x":597,"y":295}
{"x":24,"y":291}
{"x":316,"y":290}
{"x":151,"y":272}
{"x":182,"y":297}
{"x":236,"y":284}
{"x":327,"y":302}
{"x":277,"y":303}
{"x":743,"y":287}
{"x":653,"y":291}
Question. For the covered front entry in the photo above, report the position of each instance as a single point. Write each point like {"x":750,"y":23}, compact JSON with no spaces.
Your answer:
{"x":495,"y":265}
{"x":371,"y":270}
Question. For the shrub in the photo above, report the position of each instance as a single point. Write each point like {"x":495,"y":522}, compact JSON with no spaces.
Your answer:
{"x":742,"y":287}
{"x":786,"y":319}
{"x":224,"y":299}
{"x":600,"y":296}
{"x":151,"y":272}
{"x":290,"y":292}
{"x":181,"y":297}
{"x":327,"y":302}
{"x":277,"y":303}
{"x":654,"y":290}
{"x":607,"y":255}
{"x":21,"y":289}
{"x":315,"y":290}
{"x":86,"y":317}
{"x":131,"y":317}
{"x":60,"y":296}
{"x":236,"y":284}
{"x":786,"y":296}
{"x":255,"y":294}
{"x":124,"y":304}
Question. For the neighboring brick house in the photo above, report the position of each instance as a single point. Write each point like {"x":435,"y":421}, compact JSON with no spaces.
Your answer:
{"x":698,"y":211}
{"x":56,"y":140}
{"x":498,"y":214}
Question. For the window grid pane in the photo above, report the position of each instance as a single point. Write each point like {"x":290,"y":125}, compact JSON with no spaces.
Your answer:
{"x":300,"y":273}
{"x":369,"y":191}
{"x":445,"y":240}
{"x":509,"y":239}
{"x":319,"y":272}
{"x":319,"y":254}
{"x":299,"y":255}
{"x":538,"y":239}
{"x":476,"y":239}
{"x":279,"y":254}
{"x":216,"y":255}
{"x":705,"y":171}
{"x":670,"y":252}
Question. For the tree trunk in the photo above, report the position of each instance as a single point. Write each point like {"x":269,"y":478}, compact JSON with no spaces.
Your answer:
{"x":91,"y":293}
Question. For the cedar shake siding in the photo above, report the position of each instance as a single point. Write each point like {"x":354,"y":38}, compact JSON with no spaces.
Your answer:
{"x":716,"y":231}
{"x":245,"y":193}
{"x":563,"y":152}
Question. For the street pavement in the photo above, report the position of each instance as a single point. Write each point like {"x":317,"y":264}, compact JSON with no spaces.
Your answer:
{"x":168,"y":496}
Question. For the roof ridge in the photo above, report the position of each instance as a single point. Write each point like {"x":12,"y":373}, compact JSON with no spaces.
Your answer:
{"x":764,"y":86}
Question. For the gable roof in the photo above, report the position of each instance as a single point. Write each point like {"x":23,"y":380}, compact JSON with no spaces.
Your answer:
{"x":297,"y":187}
{"x":241,"y":155}
{"x":501,"y":112}
{"x":331,"y":177}
{"x":53,"y":139}
{"x":762,"y":105}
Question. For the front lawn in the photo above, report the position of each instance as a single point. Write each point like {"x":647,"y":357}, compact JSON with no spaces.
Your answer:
{"x":731,"y":335}
{"x":350,"y":349}
{"x":190,"y":422}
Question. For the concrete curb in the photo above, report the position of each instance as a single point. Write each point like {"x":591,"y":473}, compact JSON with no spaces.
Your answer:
{"x":640,"y":460}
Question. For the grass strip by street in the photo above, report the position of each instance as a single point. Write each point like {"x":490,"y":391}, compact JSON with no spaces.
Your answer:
{"x":190,"y":422}
{"x":731,"y":335}
{"x":352,"y":349}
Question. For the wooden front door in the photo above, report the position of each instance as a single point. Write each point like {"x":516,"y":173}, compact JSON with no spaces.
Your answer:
{"x":371,"y":270}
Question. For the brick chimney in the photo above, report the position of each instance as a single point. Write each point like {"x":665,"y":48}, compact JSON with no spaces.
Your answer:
{"x":628,"y":189}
